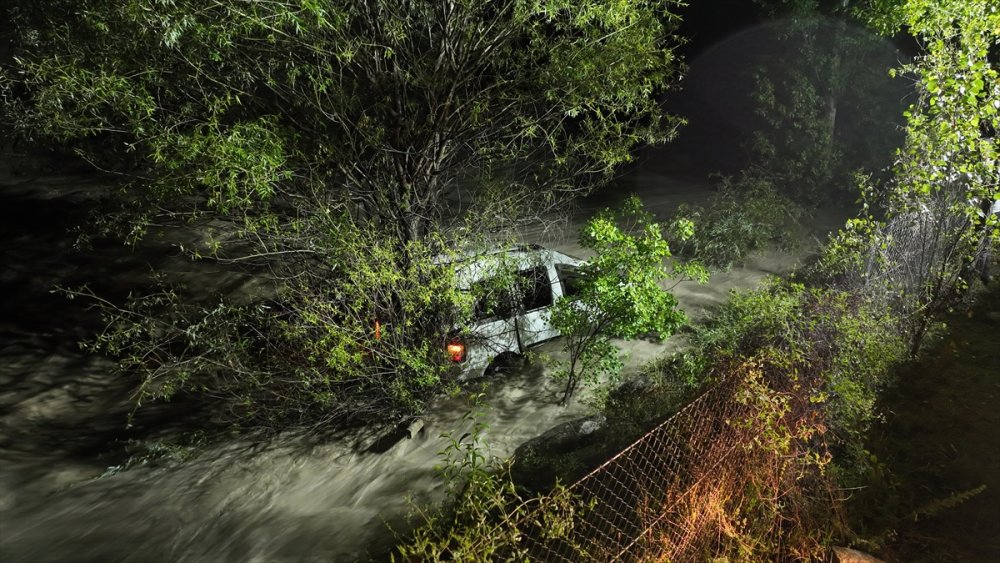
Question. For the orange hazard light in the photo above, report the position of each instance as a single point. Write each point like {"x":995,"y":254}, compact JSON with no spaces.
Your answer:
{"x":456,"y":350}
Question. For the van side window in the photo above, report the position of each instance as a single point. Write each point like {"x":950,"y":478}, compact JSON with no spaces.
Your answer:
{"x":492,"y":302}
{"x":532,"y":290}
{"x":536,"y":288}
{"x":569,"y":277}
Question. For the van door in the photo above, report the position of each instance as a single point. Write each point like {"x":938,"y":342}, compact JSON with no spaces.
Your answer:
{"x":494,"y":321}
{"x":536,"y":299}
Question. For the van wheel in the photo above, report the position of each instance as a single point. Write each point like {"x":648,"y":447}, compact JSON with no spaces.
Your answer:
{"x":508,"y":362}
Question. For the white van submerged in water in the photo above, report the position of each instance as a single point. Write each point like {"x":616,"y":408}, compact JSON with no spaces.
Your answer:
{"x":507,"y":322}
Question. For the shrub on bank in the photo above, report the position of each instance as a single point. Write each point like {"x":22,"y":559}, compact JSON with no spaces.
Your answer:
{"x":839,"y":344}
{"x":746,"y":214}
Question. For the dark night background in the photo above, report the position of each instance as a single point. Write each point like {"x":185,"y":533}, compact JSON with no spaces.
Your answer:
{"x":726,"y":39}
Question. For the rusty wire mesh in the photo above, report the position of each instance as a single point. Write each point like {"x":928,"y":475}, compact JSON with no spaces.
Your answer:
{"x":654,"y":500}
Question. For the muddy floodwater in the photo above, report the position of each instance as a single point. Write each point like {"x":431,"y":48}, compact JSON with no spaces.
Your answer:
{"x":289,"y":498}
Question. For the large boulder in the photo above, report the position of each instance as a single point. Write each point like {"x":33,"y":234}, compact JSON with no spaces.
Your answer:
{"x":564,"y":453}
{"x":567,"y":436}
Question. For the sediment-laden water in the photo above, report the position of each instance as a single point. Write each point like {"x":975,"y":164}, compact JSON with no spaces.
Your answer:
{"x":284,"y":499}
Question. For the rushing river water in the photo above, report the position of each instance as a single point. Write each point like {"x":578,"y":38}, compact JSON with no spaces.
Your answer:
{"x":62,"y":413}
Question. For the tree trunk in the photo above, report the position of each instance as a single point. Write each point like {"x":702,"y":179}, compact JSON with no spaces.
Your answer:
{"x":832,"y":99}
{"x":571,"y":377}
{"x":917,"y":338}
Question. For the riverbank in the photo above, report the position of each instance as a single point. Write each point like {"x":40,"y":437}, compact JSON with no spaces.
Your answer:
{"x":935,"y":496}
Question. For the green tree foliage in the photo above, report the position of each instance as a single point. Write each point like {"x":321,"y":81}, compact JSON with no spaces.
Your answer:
{"x":839,"y":347}
{"x":936,"y":231}
{"x":826,"y":104}
{"x":619,"y":293}
{"x":826,"y":108}
{"x":745,"y":214}
{"x":952,"y":143}
{"x":400,"y":108}
{"x":357,"y":340}
{"x":337,"y":150}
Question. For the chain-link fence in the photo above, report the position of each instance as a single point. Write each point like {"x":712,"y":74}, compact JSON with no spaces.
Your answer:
{"x":671,"y":494}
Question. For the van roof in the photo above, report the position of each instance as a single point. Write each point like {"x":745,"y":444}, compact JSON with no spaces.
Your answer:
{"x":472,"y":267}
{"x":476,"y":255}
